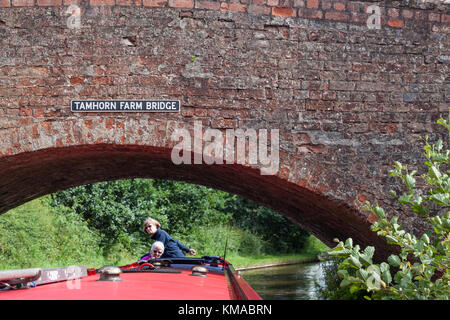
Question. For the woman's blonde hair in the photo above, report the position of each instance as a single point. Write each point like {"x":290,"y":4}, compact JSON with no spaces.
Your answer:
{"x":150,"y":221}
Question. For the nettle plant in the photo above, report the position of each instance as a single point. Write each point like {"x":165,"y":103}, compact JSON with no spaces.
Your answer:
{"x":420,"y":269}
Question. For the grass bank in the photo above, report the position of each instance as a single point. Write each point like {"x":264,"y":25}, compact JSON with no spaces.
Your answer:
{"x":34,"y":236}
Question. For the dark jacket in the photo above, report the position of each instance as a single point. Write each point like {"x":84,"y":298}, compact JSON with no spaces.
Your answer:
{"x":172,"y":248}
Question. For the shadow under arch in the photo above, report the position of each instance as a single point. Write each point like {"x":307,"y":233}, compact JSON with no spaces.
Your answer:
{"x":29,"y":175}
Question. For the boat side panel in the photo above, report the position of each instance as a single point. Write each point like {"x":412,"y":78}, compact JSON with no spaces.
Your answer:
{"x":238,"y":287}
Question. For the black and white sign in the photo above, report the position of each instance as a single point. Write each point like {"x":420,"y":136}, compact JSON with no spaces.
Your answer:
{"x":125,"y":106}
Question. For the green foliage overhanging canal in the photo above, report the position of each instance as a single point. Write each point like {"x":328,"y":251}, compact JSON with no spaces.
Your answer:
{"x":101,"y":224}
{"x":420,"y":270}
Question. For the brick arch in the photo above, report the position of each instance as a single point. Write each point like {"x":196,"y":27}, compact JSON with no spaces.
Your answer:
{"x":347,"y":100}
{"x":33,"y":174}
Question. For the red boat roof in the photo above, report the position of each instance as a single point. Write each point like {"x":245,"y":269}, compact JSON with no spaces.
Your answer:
{"x":133,"y":286}
{"x":176,"y":282}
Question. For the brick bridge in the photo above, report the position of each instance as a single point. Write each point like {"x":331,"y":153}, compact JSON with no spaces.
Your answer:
{"x":350,"y":88}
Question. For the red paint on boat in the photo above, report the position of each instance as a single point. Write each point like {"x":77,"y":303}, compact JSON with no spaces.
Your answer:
{"x":134,"y":286}
{"x":179,"y":284}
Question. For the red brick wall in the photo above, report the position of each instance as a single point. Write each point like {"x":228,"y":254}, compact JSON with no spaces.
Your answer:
{"x":334,"y":10}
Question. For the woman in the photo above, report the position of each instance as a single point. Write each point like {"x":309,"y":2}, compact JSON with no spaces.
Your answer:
{"x":172,"y":247}
{"x":156,"y":252}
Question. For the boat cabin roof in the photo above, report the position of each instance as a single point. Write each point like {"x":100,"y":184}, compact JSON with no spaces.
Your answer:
{"x":204,"y":278}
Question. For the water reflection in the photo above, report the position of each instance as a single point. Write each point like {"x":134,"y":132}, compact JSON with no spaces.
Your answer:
{"x":292,"y":282}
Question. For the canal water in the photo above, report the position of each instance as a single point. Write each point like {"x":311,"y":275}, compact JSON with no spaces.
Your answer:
{"x":291,"y":282}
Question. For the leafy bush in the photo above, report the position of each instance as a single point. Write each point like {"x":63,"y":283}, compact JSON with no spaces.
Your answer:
{"x":330,"y":289}
{"x":421,"y":268}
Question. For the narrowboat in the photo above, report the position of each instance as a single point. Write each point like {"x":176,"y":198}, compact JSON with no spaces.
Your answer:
{"x":205,"y":278}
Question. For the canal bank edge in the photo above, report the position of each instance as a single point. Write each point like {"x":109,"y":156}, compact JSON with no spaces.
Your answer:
{"x":277,"y":263}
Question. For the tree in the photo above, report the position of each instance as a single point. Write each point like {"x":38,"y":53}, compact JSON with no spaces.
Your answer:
{"x":114,"y":208}
{"x":277,"y":231}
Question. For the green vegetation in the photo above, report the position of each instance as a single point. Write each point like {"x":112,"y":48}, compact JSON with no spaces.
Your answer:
{"x":421,"y":269}
{"x":33,"y":235}
{"x":200,"y":217}
{"x":101,"y":224}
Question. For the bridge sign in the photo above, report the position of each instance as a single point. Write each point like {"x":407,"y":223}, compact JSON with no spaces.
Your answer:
{"x":125,"y":106}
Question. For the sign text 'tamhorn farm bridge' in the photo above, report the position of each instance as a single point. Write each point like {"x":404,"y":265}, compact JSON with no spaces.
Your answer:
{"x":347,"y":87}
